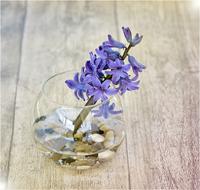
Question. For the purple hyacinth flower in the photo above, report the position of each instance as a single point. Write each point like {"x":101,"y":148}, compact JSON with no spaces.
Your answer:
{"x":83,"y":75}
{"x":78,"y":85}
{"x":127,"y":84}
{"x":92,"y":57}
{"x":100,"y":90}
{"x":111,"y":54}
{"x":118,"y":70}
{"x":105,"y":110}
{"x":113,"y":43}
{"x":90,"y":71}
{"x":136,"y":66}
{"x":94,"y":68}
{"x":127,"y":34}
{"x":136,"y":40}
{"x":101,"y":53}
{"x":106,"y":52}
{"x":105,"y":66}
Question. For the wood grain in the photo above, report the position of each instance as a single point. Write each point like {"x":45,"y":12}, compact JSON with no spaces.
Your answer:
{"x":163,"y":124}
{"x":161,"y":150}
{"x":13,"y":15}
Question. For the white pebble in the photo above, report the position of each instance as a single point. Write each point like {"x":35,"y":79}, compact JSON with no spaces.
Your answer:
{"x":106,"y":155}
{"x":96,"y":138}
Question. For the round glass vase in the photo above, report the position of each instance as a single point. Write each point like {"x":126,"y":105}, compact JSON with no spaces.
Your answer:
{"x":100,"y":132}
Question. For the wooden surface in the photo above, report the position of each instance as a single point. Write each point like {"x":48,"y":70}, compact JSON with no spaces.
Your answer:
{"x":161,"y":149}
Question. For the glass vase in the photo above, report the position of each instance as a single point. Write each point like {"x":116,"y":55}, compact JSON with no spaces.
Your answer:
{"x":96,"y":141}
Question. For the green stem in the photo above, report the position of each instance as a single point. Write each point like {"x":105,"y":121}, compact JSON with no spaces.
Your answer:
{"x":126,"y":52}
{"x":82,"y":115}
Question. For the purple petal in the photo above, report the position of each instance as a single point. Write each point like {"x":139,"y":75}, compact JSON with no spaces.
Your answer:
{"x":96,"y":82}
{"x":71,"y":84}
{"x":88,"y":79}
{"x":111,"y":91}
{"x":97,"y":95}
{"x":104,"y":97}
{"x":127,"y":34}
{"x":133,"y":88}
{"x":105,"y":110}
{"x":98,"y":62}
{"x":115,"y":43}
{"x":76,"y":77}
{"x":114,"y":64}
{"x":115,"y":78}
{"x":126,"y":67}
{"x":92,"y":91}
{"x":95,"y":111}
{"x":80,"y":94}
{"x":106,"y":84}
{"x":112,"y":106}
{"x":101,"y":53}
{"x":135,"y":64}
{"x":106,"y":44}
{"x":135,"y":77}
{"x":116,"y":112}
{"x":131,"y":60}
{"x":123,"y":90}
{"x":76,"y":94}
{"x":136,"y":40}
{"x":123,"y":74}
{"x":88,"y":67}
{"x":82,"y":77}
{"x":92,"y":57}
{"x":133,"y":85}
{"x":101,"y":66}
{"x":105,"y":114}
{"x":98,"y":115}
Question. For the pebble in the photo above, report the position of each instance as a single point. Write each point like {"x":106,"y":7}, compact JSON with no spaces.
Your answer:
{"x":97,"y":146}
{"x":97,"y":138}
{"x":78,"y":135}
{"x":82,"y":147}
{"x":109,"y":139}
{"x":106,"y":155}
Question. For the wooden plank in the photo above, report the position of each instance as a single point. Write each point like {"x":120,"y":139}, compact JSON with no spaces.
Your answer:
{"x":58,"y":36}
{"x":163,"y":116}
{"x":12,"y":24}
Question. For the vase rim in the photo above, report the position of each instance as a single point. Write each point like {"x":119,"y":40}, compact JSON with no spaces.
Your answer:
{"x":68,"y":104}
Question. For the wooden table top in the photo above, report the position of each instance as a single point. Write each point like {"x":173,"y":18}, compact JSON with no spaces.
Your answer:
{"x":161,"y":149}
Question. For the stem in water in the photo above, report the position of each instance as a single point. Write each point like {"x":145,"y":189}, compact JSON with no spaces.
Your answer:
{"x":82,"y":115}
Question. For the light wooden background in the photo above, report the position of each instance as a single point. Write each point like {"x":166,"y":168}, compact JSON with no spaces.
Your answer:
{"x":161,"y":149}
